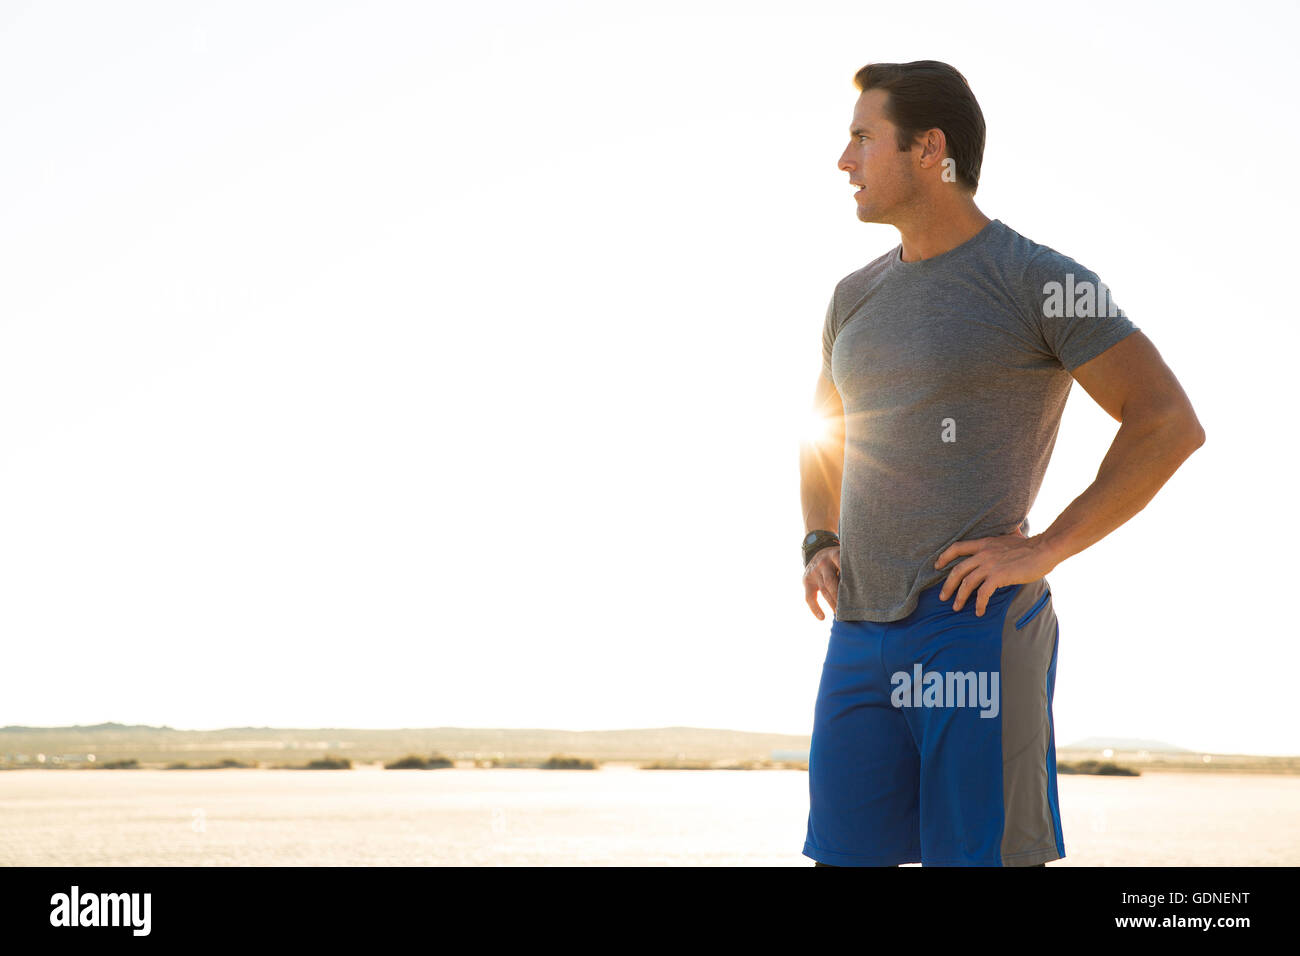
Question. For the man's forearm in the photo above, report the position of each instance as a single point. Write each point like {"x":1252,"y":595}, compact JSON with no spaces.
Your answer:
{"x":820,"y":473}
{"x":1143,"y":456}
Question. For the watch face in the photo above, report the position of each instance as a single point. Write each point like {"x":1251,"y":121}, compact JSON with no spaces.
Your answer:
{"x":812,"y":536}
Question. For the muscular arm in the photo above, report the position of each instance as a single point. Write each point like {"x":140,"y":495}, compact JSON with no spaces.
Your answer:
{"x":821,"y":461}
{"x":1158,"y":432}
{"x":821,"y":464}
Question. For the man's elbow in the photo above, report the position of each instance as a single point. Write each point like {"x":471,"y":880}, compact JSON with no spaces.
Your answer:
{"x":1177,"y":421}
{"x":1190,"y":427}
{"x":1191,"y":434}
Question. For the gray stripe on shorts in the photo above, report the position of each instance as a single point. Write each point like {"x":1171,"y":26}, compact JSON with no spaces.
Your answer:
{"x":1028,"y":835}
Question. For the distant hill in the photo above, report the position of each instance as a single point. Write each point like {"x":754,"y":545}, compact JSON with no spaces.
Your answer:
{"x":1127,"y":744}
{"x":18,"y":728}
{"x":266,"y":746}
{"x":294,"y":744}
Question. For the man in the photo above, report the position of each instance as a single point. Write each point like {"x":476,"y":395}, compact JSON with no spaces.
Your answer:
{"x":946,"y":364}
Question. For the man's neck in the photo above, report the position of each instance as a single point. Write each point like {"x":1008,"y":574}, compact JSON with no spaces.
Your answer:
{"x":939,"y":230}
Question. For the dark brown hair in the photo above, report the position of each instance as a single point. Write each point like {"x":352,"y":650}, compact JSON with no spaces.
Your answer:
{"x":927,"y":94}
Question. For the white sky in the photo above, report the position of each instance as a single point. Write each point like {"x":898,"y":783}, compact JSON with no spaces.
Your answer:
{"x":420,"y":364}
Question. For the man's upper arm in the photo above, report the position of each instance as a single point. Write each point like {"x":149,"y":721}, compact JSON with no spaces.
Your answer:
{"x":826,"y":398}
{"x":1130,"y":379}
{"x":827,"y":426}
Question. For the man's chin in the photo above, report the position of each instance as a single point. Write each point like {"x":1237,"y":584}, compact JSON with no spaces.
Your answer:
{"x":873,"y":214}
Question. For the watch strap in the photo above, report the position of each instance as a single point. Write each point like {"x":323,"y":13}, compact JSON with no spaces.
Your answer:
{"x":814,"y":541}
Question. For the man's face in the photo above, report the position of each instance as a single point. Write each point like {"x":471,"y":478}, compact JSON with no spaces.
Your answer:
{"x":872,"y":159}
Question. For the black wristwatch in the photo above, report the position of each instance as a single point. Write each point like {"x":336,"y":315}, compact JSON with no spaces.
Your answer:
{"x":814,"y":541}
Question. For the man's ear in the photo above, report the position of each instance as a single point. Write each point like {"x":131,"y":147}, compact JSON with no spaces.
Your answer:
{"x":933,"y":143}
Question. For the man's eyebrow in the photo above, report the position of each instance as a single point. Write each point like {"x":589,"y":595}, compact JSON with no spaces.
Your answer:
{"x":855,"y":131}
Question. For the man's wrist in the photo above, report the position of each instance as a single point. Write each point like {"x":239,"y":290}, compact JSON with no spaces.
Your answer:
{"x":816,"y":540}
{"x":1050,"y":546}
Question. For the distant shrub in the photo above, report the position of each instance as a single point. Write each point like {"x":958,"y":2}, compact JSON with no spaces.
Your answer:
{"x":131,"y":764}
{"x":1099,"y":768}
{"x":329,"y":763}
{"x":409,"y":762}
{"x":561,"y":762}
{"x":416,"y":762}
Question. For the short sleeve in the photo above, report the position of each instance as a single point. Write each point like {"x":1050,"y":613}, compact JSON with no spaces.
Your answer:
{"x":829,"y":330}
{"x":1072,"y":310}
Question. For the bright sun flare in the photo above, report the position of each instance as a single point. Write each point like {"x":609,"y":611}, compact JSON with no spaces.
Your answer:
{"x":815,"y":429}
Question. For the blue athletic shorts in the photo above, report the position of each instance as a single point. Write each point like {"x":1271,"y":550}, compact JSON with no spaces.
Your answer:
{"x":932,"y":737}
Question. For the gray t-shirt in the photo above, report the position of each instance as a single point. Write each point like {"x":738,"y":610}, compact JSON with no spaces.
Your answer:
{"x":954,"y":371}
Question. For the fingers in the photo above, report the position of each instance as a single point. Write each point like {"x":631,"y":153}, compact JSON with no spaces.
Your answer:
{"x":961,"y":580}
{"x":975,"y":574}
{"x":811,"y":585}
{"x":810,"y":596}
{"x":982,"y":583}
{"x":969,"y":583}
{"x":954,"y":579}
{"x":957,"y":549}
{"x":822,"y":574}
{"x":829,"y":575}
